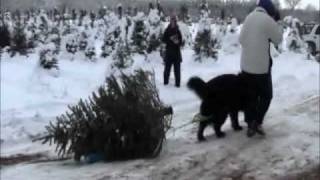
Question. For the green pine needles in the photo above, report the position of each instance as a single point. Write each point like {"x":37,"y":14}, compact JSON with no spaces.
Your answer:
{"x":122,"y":121}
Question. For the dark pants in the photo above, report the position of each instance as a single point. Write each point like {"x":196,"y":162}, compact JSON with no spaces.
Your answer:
{"x":177,"y":71}
{"x":261,"y":85}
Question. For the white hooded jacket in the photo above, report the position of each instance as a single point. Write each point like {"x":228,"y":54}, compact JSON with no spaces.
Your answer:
{"x":258,"y":30}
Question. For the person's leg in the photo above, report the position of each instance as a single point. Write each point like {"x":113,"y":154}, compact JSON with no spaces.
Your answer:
{"x":250,"y":111}
{"x":250,"y":119}
{"x":177,"y":73}
{"x":166,"y":74}
{"x":265,"y":97}
{"x":235,"y":121}
{"x":266,"y":94}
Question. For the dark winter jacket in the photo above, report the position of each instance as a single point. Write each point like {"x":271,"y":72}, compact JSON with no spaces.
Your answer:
{"x":173,"y":52}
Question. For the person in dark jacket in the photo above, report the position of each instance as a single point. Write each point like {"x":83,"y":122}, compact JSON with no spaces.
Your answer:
{"x":173,"y":40}
{"x":259,"y":30}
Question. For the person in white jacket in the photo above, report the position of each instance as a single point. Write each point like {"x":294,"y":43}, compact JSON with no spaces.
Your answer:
{"x":259,"y":29}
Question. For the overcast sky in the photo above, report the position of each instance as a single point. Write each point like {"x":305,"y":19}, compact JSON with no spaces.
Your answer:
{"x":304,"y":3}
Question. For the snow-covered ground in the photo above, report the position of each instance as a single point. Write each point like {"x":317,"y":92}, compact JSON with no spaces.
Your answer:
{"x":31,"y":97}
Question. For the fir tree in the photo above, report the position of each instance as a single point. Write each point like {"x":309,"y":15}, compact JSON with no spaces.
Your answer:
{"x":83,"y":42}
{"x":72,"y":46}
{"x":90,"y":53}
{"x":122,"y":57}
{"x":184,"y":14}
{"x":110,"y":41}
{"x":56,"y":39}
{"x":155,"y":31}
{"x":19,"y":40}
{"x":205,"y":44}
{"x":294,"y":42}
{"x":92,"y":19}
{"x":5,"y":35}
{"x":120,"y":122}
{"x":139,"y":34}
{"x":48,"y":59}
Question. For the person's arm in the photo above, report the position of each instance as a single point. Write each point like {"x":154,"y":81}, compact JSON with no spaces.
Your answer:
{"x":242,"y":32}
{"x":274,"y":31}
{"x":180,"y":37}
{"x":165,"y":38}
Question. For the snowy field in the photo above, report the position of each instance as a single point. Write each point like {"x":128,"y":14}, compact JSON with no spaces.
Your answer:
{"x":32,"y":97}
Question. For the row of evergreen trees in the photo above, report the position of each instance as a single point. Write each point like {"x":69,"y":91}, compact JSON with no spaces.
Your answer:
{"x":122,"y":35}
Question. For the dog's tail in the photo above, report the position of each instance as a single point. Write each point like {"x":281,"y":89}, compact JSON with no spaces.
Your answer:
{"x":198,"y":86}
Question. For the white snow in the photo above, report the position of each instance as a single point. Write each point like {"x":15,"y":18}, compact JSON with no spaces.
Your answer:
{"x":31,"y":97}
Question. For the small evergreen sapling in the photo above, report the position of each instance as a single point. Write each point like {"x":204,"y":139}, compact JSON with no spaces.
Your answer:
{"x":90,"y":53}
{"x":19,"y":40}
{"x":83,"y":42}
{"x":205,"y":44}
{"x":5,"y":35}
{"x":71,"y":46}
{"x":139,"y":34}
{"x":110,"y":42}
{"x":48,"y":59}
{"x":122,"y":57}
{"x":155,"y":30}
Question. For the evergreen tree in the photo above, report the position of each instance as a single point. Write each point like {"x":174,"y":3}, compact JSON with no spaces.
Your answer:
{"x":205,"y":44}
{"x":122,"y":57}
{"x":184,"y":14}
{"x":294,"y":42}
{"x":48,"y":59}
{"x":110,"y":41}
{"x":5,"y":35}
{"x":102,"y":12}
{"x":155,"y":31}
{"x":92,"y":19}
{"x":83,"y":41}
{"x":122,"y":121}
{"x":72,"y":45}
{"x":19,"y":40}
{"x":56,"y":39}
{"x":90,"y":53}
{"x":139,"y":34}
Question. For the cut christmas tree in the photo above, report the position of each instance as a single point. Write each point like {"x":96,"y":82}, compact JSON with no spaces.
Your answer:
{"x":121,"y":121}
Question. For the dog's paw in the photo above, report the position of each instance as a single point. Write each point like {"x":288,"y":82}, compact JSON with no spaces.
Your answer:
{"x":238,"y":128}
{"x":221,"y":135}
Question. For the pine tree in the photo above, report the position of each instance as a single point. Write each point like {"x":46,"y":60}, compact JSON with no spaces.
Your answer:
{"x":19,"y":40}
{"x":110,"y":41}
{"x":121,"y":121}
{"x":139,"y":34}
{"x":205,"y":44}
{"x":122,"y":57}
{"x":155,"y":31}
{"x":5,"y":35}
{"x":294,"y":42}
{"x":83,"y":41}
{"x":184,"y":14}
{"x":48,"y":59}
{"x":56,"y":39}
{"x":72,"y":46}
{"x":90,"y":53}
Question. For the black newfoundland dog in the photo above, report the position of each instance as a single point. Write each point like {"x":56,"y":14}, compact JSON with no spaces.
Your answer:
{"x":222,"y":96}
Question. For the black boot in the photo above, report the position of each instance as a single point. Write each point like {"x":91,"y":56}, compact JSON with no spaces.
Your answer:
{"x":260,"y":130}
